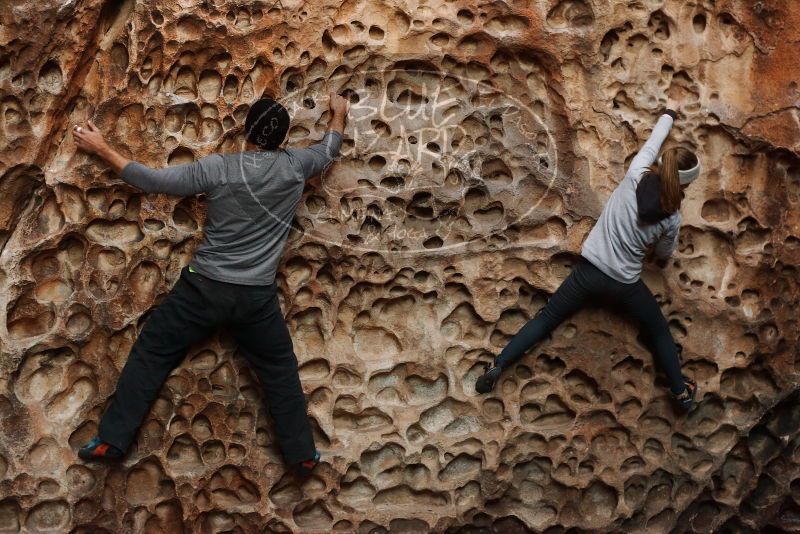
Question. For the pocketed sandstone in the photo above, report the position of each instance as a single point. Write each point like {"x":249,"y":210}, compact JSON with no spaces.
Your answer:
{"x":484,"y":139}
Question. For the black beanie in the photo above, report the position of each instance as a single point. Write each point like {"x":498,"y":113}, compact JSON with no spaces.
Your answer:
{"x":266,"y":124}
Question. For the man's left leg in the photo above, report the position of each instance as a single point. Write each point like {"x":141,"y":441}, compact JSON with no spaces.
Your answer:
{"x":265,"y":342}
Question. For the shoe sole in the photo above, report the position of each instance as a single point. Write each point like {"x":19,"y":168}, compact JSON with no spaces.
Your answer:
{"x":89,"y":457}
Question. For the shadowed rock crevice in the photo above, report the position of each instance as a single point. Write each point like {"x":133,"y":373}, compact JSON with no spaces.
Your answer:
{"x":483,"y":141}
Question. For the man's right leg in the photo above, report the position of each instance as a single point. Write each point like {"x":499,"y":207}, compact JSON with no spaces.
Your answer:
{"x":184,"y":318}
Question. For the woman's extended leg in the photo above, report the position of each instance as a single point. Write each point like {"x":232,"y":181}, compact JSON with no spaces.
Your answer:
{"x":567,"y":299}
{"x":641,"y":303}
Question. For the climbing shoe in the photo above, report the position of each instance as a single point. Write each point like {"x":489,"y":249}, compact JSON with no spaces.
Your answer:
{"x":685,"y":398}
{"x":303,"y":469}
{"x":487,"y":381}
{"x":97,"y":449}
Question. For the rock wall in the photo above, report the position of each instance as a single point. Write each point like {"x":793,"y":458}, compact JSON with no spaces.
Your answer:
{"x":484,"y":139}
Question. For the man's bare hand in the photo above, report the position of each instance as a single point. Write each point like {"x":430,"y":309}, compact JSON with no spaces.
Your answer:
{"x":89,"y":139}
{"x":339,"y":105}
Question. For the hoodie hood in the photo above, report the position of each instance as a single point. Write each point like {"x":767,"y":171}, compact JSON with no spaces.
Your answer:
{"x":648,"y":199}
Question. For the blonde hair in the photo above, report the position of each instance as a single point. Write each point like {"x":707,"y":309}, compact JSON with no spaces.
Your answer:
{"x":670,"y":162}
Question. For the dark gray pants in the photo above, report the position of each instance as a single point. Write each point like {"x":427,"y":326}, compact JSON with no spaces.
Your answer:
{"x":587,"y":281}
{"x":191,"y":311}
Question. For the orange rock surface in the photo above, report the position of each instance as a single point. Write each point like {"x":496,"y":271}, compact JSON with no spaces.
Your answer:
{"x":484,"y":139}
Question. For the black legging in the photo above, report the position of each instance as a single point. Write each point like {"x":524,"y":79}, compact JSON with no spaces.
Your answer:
{"x":587,"y":281}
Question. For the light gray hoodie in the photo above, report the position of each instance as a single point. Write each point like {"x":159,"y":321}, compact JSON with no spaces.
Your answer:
{"x":618,"y":242}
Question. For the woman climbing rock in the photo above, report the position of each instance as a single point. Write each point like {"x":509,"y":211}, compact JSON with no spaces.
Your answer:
{"x":642,"y":212}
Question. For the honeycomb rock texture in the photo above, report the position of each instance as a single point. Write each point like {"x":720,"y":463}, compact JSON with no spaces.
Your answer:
{"x":485,"y":137}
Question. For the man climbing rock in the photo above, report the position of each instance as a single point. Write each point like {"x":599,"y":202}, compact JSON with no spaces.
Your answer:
{"x":252,"y":197}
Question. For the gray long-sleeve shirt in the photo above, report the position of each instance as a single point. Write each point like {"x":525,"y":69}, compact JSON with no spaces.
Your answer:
{"x":618,"y":242}
{"x":252,"y":197}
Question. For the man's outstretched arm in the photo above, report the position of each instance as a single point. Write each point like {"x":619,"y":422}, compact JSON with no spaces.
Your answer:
{"x":314,"y":158}
{"x":182,"y":180}
{"x":89,"y":139}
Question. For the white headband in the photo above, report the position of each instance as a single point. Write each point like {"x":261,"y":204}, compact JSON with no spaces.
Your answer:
{"x":689,"y":175}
